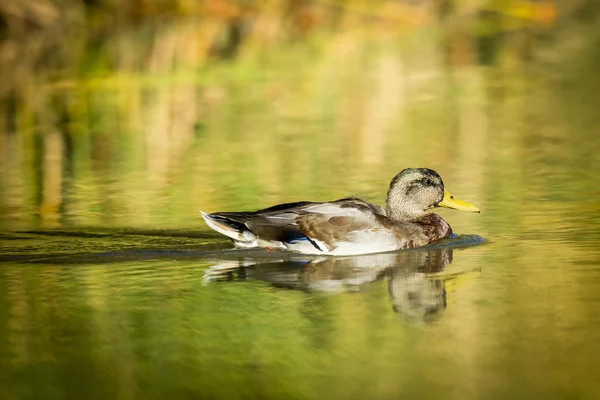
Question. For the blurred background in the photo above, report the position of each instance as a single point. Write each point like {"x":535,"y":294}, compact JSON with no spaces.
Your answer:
{"x":140,"y":112}
{"x":119,"y":119}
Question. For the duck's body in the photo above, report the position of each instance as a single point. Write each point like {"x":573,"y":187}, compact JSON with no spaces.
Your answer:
{"x":348,"y":226}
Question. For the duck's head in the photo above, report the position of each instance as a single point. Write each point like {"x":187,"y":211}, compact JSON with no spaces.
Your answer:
{"x":415,"y":190}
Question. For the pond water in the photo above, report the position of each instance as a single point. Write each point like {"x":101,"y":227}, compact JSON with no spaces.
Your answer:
{"x":112,"y":287}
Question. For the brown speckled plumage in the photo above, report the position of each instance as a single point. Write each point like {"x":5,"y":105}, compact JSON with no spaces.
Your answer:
{"x":434,"y":226}
{"x":349,"y":225}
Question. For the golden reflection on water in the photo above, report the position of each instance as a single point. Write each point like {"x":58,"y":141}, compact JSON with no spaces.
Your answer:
{"x":320,"y":119}
{"x":128,"y":313}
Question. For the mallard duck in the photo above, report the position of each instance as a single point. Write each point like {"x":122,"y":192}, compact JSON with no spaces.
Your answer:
{"x":348,"y":226}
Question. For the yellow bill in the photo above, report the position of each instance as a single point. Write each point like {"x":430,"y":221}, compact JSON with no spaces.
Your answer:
{"x":451,"y":202}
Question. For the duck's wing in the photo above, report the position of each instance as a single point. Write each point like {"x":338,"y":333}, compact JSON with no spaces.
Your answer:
{"x":352,"y":232}
{"x":358,"y":227}
{"x":309,"y":227}
{"x":273,"y":224}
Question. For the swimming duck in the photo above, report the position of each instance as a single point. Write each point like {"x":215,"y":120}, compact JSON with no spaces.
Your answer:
{"x":348,"y":226}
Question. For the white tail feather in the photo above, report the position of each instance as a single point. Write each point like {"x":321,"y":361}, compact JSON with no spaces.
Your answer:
{"x":227,"y":230}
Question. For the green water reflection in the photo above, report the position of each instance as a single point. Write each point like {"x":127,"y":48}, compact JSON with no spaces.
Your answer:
{"x":112,"y":287}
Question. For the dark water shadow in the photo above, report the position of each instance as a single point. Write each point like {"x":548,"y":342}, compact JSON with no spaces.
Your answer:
{"x":98,"y":245}
{"x":101,"y":246}
{"x":416,"y":278}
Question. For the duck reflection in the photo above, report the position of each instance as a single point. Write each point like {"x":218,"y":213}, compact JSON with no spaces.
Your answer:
{"x":415,"y":285}
{"x":415,"y":291}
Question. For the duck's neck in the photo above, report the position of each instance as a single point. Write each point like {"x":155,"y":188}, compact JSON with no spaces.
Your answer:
{"x":401,"y":210}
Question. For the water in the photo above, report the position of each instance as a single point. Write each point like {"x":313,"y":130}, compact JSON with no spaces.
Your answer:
{"x":112,"y":287}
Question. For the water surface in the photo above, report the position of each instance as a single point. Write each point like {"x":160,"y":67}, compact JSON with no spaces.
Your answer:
{"x":112,"y":287}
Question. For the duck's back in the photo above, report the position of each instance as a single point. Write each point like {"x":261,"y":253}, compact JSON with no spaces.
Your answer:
{"x":347,"y":226}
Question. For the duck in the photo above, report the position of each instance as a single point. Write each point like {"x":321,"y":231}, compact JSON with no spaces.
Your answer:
{"x":348,"y":226}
